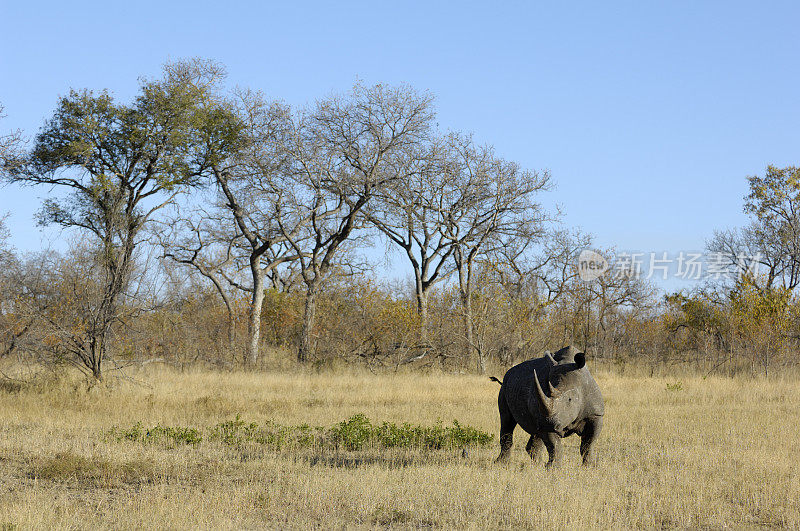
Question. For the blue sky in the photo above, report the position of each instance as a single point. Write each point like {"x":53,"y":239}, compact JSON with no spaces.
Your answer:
{"x":648,"y":114}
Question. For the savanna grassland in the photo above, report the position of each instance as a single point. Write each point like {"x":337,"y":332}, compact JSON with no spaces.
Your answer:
{"x":692,"y":452}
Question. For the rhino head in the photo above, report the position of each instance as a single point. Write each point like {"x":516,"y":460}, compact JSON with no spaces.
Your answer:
{"x":565,"y":401}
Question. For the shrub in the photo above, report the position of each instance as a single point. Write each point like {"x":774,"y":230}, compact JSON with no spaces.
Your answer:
{"x":164,"y":434}
{"x":352,"y":434}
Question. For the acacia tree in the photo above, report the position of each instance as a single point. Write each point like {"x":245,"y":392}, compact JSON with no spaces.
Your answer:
{"x":774,"y":200}
{"x":117,"y":165}
{"x":495,"y":198}
{"x":344,"y":152}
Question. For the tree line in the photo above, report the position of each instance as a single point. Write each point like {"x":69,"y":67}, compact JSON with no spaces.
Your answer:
{"x":213,"y":224}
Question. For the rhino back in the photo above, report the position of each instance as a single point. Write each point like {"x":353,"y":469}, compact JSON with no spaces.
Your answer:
{"x":519,"y":393}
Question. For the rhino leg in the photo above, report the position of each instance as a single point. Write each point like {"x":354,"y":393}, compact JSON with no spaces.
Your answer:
{"x":590,"y":433}
{"x":554,"y":449}
{"x":534,"y":446}
{"x":507,"y":425}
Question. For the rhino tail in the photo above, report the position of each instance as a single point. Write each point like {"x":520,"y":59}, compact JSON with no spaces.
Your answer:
{"x":492,"y":378}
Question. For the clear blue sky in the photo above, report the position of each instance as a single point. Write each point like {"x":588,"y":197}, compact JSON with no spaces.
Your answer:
{"x":648,"y":114}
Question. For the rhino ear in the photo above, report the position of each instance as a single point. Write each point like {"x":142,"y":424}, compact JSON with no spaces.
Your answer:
{"x":580,"y":360}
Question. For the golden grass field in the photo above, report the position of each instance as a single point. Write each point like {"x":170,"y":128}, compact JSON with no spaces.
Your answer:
{"x":708,"y":453}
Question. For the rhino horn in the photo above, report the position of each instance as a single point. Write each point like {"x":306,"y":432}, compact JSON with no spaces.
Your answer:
{"x":546,"y":401}
{"x":550,"y":357}
{"x":553,"y":391}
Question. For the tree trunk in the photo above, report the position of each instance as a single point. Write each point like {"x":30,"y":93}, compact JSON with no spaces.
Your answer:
{"x":464,"y":266}
{"x":469,"y":333}
{"x":254,"y":321}
{"x":309,"y":313}
{"x":96,"y":355}
{"x":228,"y":307}
{"x":231,"y":334}
{"x":116,"y":260}
{"x":422,"y":310}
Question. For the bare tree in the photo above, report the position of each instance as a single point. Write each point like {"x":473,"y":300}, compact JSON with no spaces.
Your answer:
{"x":10,"y":328}
{"x":252,"y":184}
{"x":612,"y":293}
{"x":755,"y":249}
{"x":14,"y":323}
{"x":201,"y":243}
{"x":4,"y":235}
{"x":411,"y":215}
{"x":538,"y":273}
{"x":495,"y":197}
{"x":344,"y":152}
{"x":26,"y":294}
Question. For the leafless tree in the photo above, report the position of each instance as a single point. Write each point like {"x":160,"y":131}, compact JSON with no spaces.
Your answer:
{"x":5,"y":234}
{"x":252,"y":185}
{"x":772,"y":239}
{"x":495,"y":198}
{"x":611,"y":293}
{"x":756,"y":249}
{"x":411,"y":215}
{"x":26,"y":285}
{"x":13,"y":324}
{"x":344,"y":152}
{"x":540,"y":268}
{"x":202,"y":243}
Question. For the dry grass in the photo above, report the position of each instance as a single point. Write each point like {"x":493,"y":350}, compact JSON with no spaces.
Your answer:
{"x":705,"y":453}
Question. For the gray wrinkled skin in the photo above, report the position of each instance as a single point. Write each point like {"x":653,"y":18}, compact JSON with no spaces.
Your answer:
{"x":566,"y":400}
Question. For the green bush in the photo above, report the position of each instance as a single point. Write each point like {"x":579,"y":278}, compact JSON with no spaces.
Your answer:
{"x":355,"y":433}
{"x":164,"y":434}
{"x":352,"y":433}
{"x":234,"y":432}
{"x":677,"y":386}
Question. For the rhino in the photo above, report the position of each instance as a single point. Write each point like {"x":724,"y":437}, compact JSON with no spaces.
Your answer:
{"x":551,"y":397}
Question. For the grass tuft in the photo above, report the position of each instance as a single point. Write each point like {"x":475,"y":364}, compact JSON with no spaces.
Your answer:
{"x":98,"y":472}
